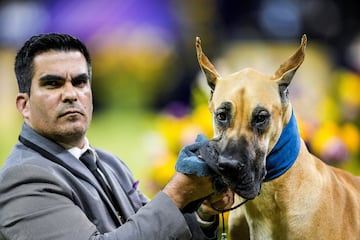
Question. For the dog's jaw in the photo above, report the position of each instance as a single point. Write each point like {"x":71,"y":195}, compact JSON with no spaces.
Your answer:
{"x":243,"y":170}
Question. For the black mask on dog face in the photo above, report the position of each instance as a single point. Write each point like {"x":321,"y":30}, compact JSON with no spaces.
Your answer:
{"x":234,"y":166}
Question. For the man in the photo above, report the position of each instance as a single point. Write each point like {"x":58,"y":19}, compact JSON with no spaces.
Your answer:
{"x":55,"y":185}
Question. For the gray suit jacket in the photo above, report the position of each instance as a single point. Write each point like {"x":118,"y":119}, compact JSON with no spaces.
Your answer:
{"x":42,"y":198}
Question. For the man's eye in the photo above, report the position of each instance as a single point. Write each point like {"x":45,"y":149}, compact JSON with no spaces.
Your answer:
{"x":80,"y":81}
{"x":52,"y":83}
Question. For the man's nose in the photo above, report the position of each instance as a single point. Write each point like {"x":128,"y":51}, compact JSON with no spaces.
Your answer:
{"x":69,"y":92}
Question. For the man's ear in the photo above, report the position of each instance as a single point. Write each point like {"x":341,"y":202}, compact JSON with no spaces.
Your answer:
{"x":22,"y":104}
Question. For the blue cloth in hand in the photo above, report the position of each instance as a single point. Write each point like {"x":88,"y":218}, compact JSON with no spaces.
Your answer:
{"x":188,"y":161}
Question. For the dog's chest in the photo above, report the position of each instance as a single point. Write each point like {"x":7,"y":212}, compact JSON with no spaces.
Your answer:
{"x":260,"y":230}
{"x":266,"y":214}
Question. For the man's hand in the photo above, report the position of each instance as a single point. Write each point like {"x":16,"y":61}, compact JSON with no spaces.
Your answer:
{"x":186,"y":188}
{"x":215,"y":204}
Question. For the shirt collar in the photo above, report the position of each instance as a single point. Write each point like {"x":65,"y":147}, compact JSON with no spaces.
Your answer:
{"x":77,"y":152}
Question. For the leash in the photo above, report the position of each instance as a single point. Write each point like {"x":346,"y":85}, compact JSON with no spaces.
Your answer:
{"x":223,"y":233}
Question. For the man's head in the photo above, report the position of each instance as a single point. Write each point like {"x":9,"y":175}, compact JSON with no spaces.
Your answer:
{"x":53,"y":73}
{"x":24,"y":67}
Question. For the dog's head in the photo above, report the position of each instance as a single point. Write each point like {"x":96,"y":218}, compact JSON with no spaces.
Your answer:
{"x":249,"y":110}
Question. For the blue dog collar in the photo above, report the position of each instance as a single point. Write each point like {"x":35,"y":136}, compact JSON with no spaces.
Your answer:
{"x":285,"y":151}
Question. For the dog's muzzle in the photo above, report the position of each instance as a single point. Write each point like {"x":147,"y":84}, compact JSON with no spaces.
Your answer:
{"x":236,"y":166}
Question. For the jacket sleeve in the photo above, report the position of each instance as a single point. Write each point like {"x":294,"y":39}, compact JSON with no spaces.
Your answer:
{"x":34,"y":204}
{"x":161,"y":219}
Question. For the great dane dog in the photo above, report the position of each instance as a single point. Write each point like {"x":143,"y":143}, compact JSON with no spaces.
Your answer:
{"x":292,"y":194}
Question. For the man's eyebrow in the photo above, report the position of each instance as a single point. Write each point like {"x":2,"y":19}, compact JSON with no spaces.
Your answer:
{"x":50,"y":77}
{"x":82,"y":76}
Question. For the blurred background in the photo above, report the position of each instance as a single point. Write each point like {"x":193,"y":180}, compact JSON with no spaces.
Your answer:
{"x":149,"y":95}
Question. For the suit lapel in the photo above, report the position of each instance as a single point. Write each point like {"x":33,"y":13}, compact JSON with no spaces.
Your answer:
{"x":59,"y":155}
{"x":118,"y":191}
{"x":76,"y":167}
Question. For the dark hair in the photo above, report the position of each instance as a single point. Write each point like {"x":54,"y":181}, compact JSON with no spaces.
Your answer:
{"x":24,"y":68}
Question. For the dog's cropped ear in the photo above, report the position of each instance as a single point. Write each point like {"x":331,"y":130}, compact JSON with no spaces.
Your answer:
{"x":286,"y":71}
{"x":206,"y":66}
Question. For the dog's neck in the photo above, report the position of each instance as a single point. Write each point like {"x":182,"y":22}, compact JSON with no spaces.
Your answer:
{"x":285,"y":151}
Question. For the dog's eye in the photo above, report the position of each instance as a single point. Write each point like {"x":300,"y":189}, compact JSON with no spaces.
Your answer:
{"x":260,"y":120}
{"x":221,"y":116}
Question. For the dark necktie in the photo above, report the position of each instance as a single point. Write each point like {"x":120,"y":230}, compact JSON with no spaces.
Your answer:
{"x":90,"y":161}
{"x":88,"y":158}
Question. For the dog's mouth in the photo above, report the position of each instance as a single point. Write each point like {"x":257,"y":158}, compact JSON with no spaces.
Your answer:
{"x":239,"y":177}
{"x":241,"y":170}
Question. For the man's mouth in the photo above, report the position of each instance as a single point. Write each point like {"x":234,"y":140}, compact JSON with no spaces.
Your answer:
{"x":71,"y":113}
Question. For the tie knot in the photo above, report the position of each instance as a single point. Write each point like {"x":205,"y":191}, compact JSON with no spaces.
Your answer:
{"x":88,"y":158}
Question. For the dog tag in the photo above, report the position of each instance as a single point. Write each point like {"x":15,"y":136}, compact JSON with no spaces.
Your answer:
{"x":223,"y":236}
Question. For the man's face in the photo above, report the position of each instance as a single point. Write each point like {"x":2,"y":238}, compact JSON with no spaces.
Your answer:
{"x":60,"y":103}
